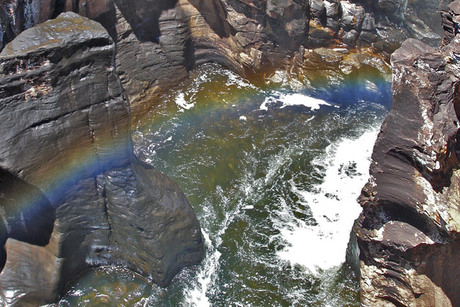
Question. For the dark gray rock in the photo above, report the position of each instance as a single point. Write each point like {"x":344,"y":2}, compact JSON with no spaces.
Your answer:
{"x":248,"y":36}
{"x":317,"y":8}
{"x":160,"y":226}
{"x":395,"y":9}
{"x":73,"y":194}
{"x":352,"y":16}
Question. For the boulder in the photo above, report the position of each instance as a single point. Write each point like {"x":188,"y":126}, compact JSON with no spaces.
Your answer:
{"x":78,"y":196}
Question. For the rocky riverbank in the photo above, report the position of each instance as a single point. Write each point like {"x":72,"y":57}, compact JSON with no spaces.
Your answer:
{"x":74,"y":196}
{"x":408,"y":233}
{"x":158,"y":42}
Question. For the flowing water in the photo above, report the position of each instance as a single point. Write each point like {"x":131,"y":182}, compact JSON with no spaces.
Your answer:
{"x":273,"y":175}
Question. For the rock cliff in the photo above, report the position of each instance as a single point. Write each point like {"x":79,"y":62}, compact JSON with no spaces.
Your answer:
{"x":159,"y":41}
{"x":73,"y":195}
{"x":409,"y":231}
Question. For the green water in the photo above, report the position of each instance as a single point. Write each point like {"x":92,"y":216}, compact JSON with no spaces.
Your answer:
{"x":273,"y":175}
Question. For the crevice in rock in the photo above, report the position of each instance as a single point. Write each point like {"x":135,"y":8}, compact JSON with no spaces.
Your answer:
{"x":323,"y":17}
{"x":59,"y":7}
{"x":392,"y":300}
{"x":25,"y":213}
{"x":456,"y":100}
{"x":103,"y":192}
{"x":145,"y":23}
{"x":376,"y":217}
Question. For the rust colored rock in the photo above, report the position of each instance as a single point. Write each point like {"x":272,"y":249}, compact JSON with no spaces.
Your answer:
{"x":409,"y":231}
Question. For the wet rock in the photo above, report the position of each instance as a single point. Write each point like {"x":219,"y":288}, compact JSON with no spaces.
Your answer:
{"x":171,"y":37}
{"x":321,"y":67}
{"x":394,"y":8}
{"x":352,"y":16}
{"x":160,"y":225}
{"x":319,"y":35}
{"x":31,"y":274}
{"x":408,"y":232}
{"x":77,"y":197}
{"x":156,"y":36}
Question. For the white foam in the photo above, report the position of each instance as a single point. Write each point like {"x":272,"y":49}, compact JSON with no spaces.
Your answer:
{"x":295,"y":99}
{"x":234,"y":79}
{"x":302,"y":100}
{"x":196,"y":296}
{"x":333,"y":206}
{"x":181,"y":102}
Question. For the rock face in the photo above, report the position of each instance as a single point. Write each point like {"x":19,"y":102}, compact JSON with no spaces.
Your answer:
{"x":409,"y":231}
{"x":73,"y":196}
{"x":169,"y":37}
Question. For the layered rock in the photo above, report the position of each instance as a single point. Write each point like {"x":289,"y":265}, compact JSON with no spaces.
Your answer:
{"x":73,"y":195}
{"x":159,"y":41}
{"x":409,"y":231}
{"x":326,"y":68}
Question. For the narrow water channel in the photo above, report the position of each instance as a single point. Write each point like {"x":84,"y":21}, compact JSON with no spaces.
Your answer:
{"x":273,"y":174}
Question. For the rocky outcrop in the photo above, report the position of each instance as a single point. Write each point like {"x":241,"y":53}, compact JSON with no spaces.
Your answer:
{"x":159,"y":41}
{"x":326,"y":68}
{"x":409,"y":231}
{"x":82,"y":197}
{"x":73,"y":196}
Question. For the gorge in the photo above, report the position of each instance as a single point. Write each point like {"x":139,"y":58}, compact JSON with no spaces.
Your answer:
{"x":253,"y":108}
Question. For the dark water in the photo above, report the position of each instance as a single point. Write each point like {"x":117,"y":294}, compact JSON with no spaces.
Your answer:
{"x":273,"y":174}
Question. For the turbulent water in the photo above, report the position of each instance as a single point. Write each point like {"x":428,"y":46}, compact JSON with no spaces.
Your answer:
{"x":273,"y":175}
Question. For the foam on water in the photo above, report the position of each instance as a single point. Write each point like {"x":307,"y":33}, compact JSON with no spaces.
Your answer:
{"x":196,"y":296}
{"x":295,"y":99}
{"x":181,"y":102}
{"x":332,"y":203}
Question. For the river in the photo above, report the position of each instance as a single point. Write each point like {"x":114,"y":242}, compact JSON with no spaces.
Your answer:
{"x":273,"y":173}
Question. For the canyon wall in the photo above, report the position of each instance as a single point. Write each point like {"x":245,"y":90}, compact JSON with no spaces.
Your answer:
{"x":409,"y":231}
{"x":159,"y":41}
{"x":73,"y":195}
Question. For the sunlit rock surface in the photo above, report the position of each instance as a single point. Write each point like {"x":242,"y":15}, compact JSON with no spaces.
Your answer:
{"x":159,"y":41}
{"x":408,"y":233}
{"x":73,"y":195}
{"x":150,"y":46}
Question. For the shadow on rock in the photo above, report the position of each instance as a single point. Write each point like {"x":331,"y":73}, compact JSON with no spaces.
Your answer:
{"x":26,"y":214}
{"x":143,"y":17}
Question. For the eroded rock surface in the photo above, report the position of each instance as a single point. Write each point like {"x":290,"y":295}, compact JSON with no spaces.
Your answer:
{"x":76,"y":196}
{"x":159,"y":41}
{"x":409,"y":232}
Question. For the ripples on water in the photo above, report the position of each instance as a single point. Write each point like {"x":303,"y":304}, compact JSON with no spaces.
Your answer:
{"x":273,"y":176}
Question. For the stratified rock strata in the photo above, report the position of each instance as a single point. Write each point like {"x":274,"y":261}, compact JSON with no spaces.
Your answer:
{"x":159,"y":41}
{"x":409,"y":231}
{"x":73,"y":194}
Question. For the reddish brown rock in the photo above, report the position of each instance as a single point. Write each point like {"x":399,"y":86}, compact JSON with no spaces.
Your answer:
{"x":409,"y":231}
